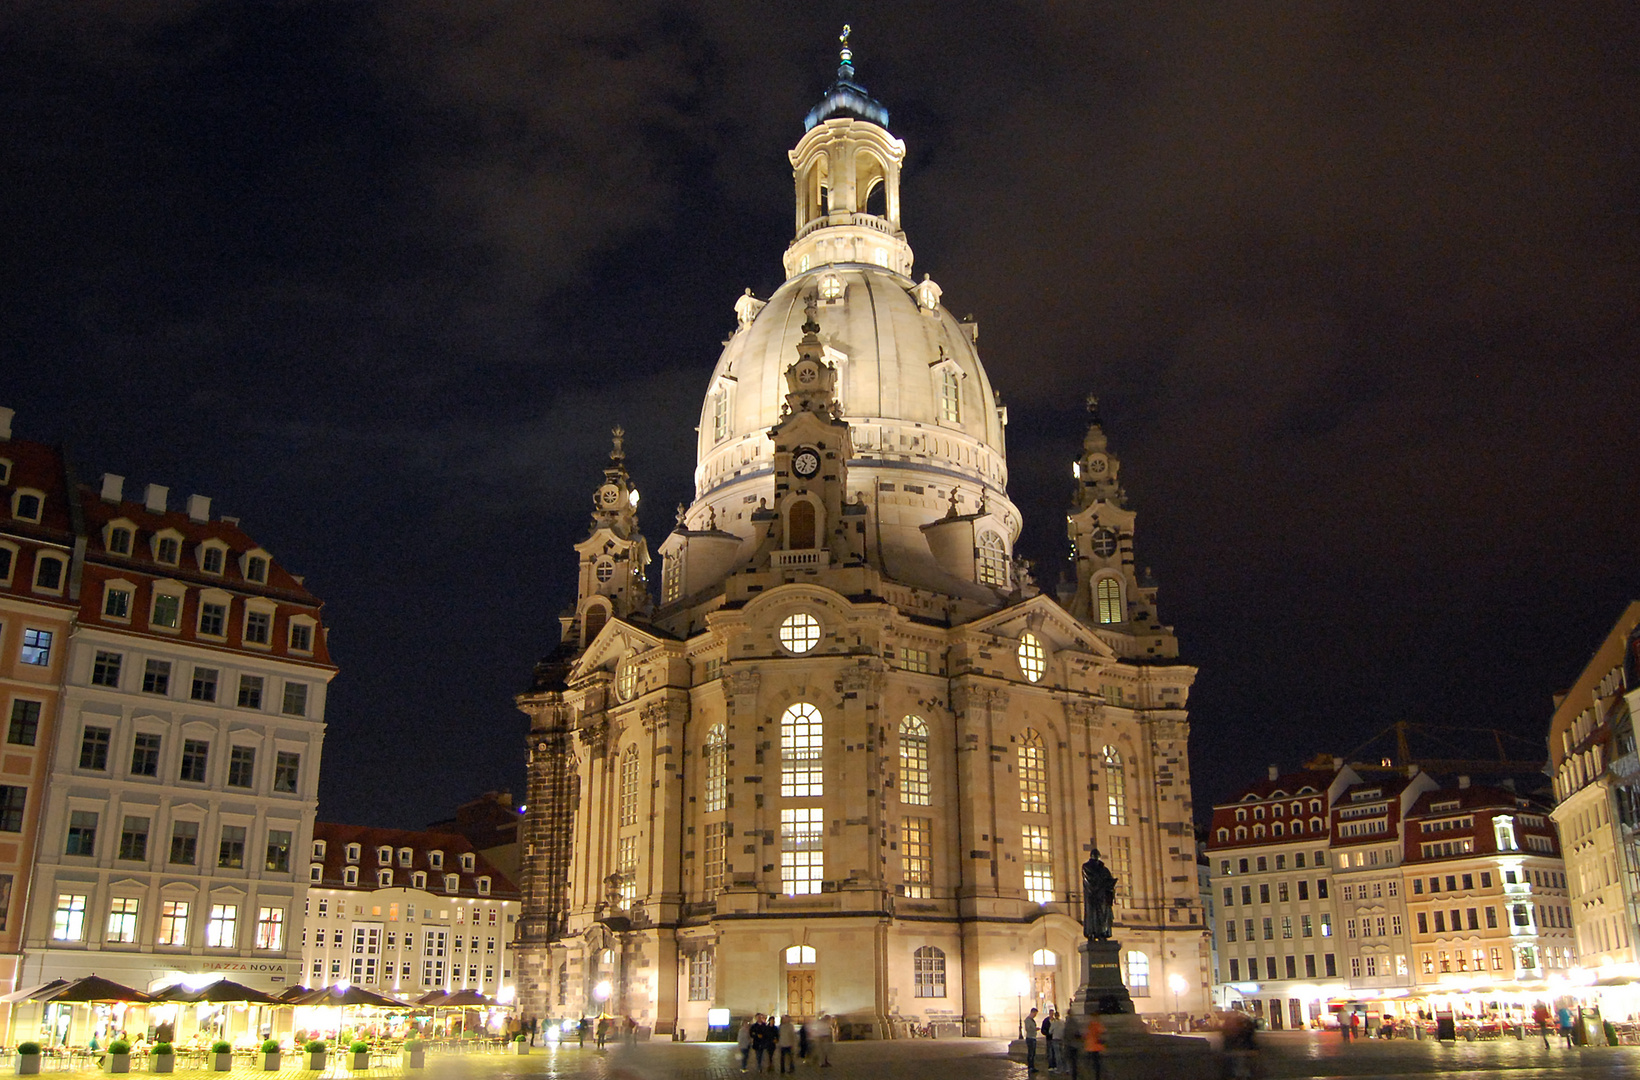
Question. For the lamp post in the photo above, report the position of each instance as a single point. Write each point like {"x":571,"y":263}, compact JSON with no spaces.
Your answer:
{"x":600,"y":994}
{"x":1022,"y":983}
{"x":1178,"y":984}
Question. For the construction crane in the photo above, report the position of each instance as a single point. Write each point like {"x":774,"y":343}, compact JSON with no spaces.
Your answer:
{"x":1502,"y":765}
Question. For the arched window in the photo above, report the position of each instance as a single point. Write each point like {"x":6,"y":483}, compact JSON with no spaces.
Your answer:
{"x":1241,"y":832}
{"x":1044,"y":958}
{"x":1115,"y":787}
{"x":626,"y":680}
{"x":913,"y":761}
{"x":716,"y":755}
{"x":1224,"y":834}
{"x":1275,"y":830}
{"x":800,"y":525}
{"x":1033,"y":661}
{"x":928,"y":972}
{"x":593,"y":621}
{"x":801,"y":772}
{"x":992,"y":559}
{"x":800,"y":954}
{"x":629,"y":786}
{"x":1298,"y":826}
{"x":1033,"y":774}
{"x":1110,"y":600}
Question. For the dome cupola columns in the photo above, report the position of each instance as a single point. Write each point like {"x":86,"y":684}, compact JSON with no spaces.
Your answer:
{"x":846,"y":170}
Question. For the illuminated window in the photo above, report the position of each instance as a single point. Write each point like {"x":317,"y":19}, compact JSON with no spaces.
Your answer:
{"x":173,"y":923}
{"x":800,"y":632}
{"x":1115,"y":787}
{"x":1138,"y":974}
{"x":831,"y":287}
{"x":913,"y":761}
{"x":916,"y":856}
{"x":716,"y":755}
{"x":68,"y":923}
{"x":700,"y":977}
{"x":222,"y":927}
{"x":928,"y":972}
{"x":626,"y":680}
{"x":801,"y":767}
{"x":1110,"y":600}
{"x":800,"y":954}
{"x":629,"y":786}
{"x":992,"y":560}
{"x":1037,"y":858}
{"x":950,"y":397}
{"x":1032,"y":660}
{"x":802,"y":861}
{"x":626,"y":860}
{"x":122,"y":920}
{"x":671,"y":578}
{"x":1033,"y":774}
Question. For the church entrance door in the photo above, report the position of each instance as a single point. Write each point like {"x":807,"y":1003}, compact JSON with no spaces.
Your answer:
{"x":800,"y":993}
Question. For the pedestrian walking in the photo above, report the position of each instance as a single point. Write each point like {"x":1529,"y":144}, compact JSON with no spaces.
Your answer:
{"x":1541,"y":1017}
{"x":1093,"y":1045}
{"x":581,"y":1033}
{"x":822,"y":1033}
{"x":1031,"y":1031}
{"x":1565,"y":1017}
{"x":1049,"y":1023}
{"x":763,"y":1040}
{"x":1072,"y":1036}
{"x":603,"y":1031}
{"x":744,"y":1041}
{"x":787,"y":1037}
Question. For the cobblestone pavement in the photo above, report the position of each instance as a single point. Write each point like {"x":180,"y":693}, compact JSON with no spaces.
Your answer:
{"x":1283,"y":1055}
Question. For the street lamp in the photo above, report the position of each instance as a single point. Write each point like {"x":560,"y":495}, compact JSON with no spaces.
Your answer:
{"x":600,"y":994}
{"x":1178,"y":984}
{"x":1022,"y":984}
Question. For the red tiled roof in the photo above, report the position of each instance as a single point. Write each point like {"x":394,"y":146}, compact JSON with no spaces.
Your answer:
{"x":421,"y":844}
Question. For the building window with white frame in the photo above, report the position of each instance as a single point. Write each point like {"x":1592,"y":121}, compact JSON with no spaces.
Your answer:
{"x":68,"y":922}
{"x":1138,"y":974}
{"x":801,"y":763}
{"x":173,"y":923}
{"x":222,"y":927}
{"x":802,"y":862}
{"x":700,"y":976}
{"x":122,"y":920}
{"x":1115,"y":787}
{"x":1033,"y":773}
{"x":928,"y":972}
{"x":992,"y":559}
{"x":716,"y":760}
{"x":629,"y":787}
{"x":720,"y":415}
{"x":913,"y":761}
{"x":1036,"y":857}
{"x":950,"y":397}
{"x":916,"y":857}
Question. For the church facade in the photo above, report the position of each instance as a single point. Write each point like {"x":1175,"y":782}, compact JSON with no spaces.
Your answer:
{"x":850,"y":760}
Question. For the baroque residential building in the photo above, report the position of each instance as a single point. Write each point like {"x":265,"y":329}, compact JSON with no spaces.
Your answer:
{"x":37,"y":612}
{"x":851,"y":759}
{"x":183,"y":775}
{"x":403,"y":913}
{"x":1596,"y":774}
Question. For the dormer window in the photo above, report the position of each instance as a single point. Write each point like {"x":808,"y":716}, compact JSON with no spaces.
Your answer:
{"x":5,"y":470}
{"x":353,"y":852}
{"x":26,"y":504}
{"x":213,"y":556}
{"x":168,"y":547}
{"x":384,"y":855}
{"x":384,"y":879}
{"x":468,"y":862}
{"x":318,"y":849}
{"x":452,"y":883}
{"x":405,"y":855}
{"x":350,"y":876}
{"x":301,"y":634}
{"x":118,"y":540}
{"x":48,"y":573}
{"x":418,"y":880}
{"x":256,"y":568}
{"x":117,"y":600}
{"x":167,"y":610}
{"x":484,"y":886}
{"x":435,"y":859}
{"x":316,"y":872}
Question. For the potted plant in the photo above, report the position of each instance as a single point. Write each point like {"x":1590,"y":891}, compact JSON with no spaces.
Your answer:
{"x":522,"y":1045}
{"x":359,"y":1053}
{"x":163,"y":1058}
{"x":28,"y":1059}
{"x":270,"y":1056}
{"x":316,"y":1055}
{"x":221,"y":1056}
{"x":415,"y":1054}
{"x":119,"y":1056}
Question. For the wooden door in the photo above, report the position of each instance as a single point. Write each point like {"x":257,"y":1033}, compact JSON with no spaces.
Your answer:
{"x":799,"y":993}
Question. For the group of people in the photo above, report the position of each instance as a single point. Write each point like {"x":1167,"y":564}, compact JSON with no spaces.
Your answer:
{"x":1070,"y":1042}
{"x":624,"y":1029}
{"x":786,"y":1041}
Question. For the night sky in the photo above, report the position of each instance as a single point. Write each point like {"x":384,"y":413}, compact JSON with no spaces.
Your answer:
{"x":1356,"y":284}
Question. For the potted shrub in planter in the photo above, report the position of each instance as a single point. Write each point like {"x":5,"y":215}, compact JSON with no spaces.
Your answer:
{"x":522,"y":1044}
{"x":28,"y":1059}
{"x":221,"y":1056}
{"x":359,"y":1053}
{"x":119,"y":1056}
{"x":163,"y":1058}
{"x":270,"y":1056}
{"x":316,"y":1055}
{"x":415,"y":1054}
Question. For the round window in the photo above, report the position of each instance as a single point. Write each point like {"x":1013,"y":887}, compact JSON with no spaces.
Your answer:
{"x":605,"y":571}
{"x":800,"y":632}
{"x":1032,"y":661}
{"x":626,"y":680}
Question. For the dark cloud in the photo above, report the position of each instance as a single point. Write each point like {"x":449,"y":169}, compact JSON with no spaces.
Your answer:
{"x":1356,"y":283}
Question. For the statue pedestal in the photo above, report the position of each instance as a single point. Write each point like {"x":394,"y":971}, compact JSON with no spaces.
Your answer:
{"x":1132,"y":1052}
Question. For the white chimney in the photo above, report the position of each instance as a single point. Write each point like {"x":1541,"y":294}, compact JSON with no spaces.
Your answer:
{"x":1275,"y":771}
{"x":155,"y":499}
{"x":5,"y":422}
{"x":1463,"y":783}
{"x":199,"y":508}
{"x":113,"y":488}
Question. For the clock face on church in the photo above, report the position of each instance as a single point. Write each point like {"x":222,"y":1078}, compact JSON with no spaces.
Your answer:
{"x":806,"y":462}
